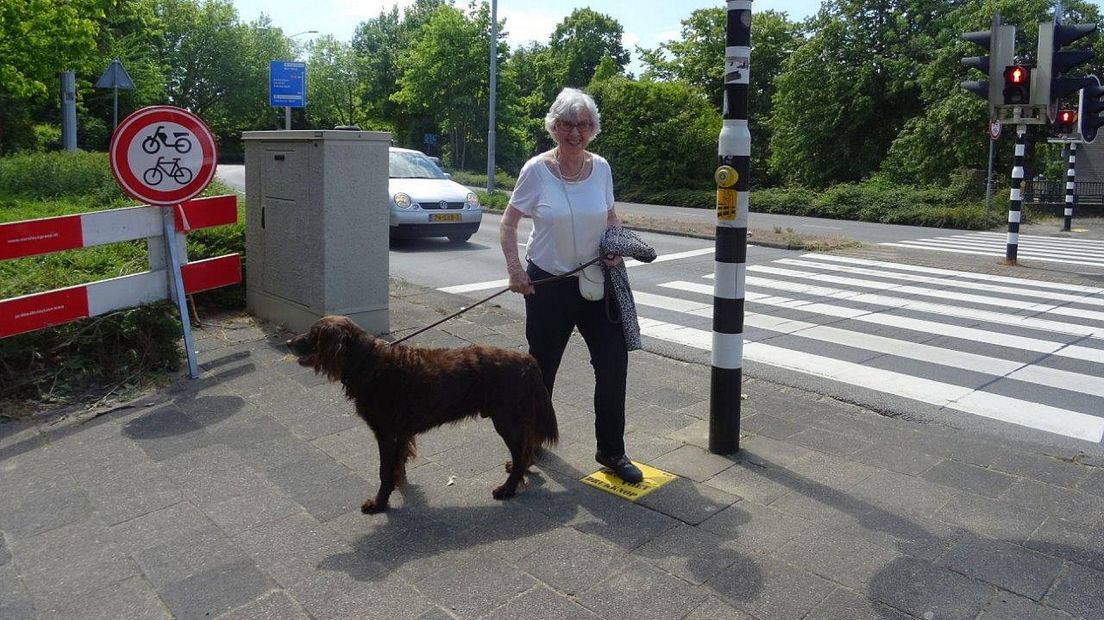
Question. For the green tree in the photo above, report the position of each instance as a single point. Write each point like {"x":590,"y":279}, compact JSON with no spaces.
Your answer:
{"x":217,"y":67}
{"x":533,"y":70}
{"x":580,"y":42}
{"x":38,"y":40}
{"x":376,"y":45}
{"x":698,"y":58}
{"x":656,"y":135}
{"x":445,"y":73}
{"x":130,"y":31}
{"x":332,"y":88}
{"x":844,"y":95}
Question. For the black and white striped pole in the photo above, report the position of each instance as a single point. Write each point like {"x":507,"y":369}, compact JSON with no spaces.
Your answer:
{"x":732,"y":175}
{"x":1015,"y":198}
{"x":1071,"y":184}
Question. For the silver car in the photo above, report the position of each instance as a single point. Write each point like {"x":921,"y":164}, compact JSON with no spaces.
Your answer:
{"x":425,"y":203}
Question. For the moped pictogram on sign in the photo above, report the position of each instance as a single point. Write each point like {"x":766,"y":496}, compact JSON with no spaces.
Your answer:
{"x":163,"y":155}
{"x":153,"y":143}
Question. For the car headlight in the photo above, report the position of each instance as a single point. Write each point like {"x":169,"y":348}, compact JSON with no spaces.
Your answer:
{"x":473,"y":201}
{"x":402,"y":200}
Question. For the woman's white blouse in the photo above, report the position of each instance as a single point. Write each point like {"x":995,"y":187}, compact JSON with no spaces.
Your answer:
{"x":568,"y":217}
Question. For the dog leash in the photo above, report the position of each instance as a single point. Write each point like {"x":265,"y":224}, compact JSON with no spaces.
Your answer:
{"x":486,"y":299}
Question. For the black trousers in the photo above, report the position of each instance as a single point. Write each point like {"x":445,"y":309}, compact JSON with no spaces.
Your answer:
{"x":550,"y":315}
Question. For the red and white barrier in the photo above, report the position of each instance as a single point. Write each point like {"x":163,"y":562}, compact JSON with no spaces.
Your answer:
{"x":32,"y":237}
{"x":69,"y":232}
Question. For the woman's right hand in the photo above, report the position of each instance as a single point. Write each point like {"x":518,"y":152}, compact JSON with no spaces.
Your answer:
{"x":520,"y":282}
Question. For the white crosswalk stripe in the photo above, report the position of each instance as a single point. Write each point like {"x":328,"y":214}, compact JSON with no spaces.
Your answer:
{"x":1024,"y":352}
{"x":1020,"y":351}
{"x":1088,"y":252}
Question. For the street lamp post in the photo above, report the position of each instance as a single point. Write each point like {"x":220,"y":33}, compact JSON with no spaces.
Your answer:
{"x":491,"y":112}
{"x":287,"y":109}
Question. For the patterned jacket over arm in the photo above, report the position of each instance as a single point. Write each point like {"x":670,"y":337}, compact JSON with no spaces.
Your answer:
{"x":624,"y":242}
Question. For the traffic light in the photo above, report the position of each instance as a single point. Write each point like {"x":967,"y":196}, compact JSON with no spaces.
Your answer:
{"x":1089,"y":109}
{"x":1000,"y":42}
{"x":1050,"y":85}
{"x":1066,"y":122}
{"x":1017,"y":85}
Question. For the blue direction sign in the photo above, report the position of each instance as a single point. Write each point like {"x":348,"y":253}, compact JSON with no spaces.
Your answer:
{"x":287,"y":84}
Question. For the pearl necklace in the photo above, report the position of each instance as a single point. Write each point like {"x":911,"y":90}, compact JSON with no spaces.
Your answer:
{"x":560,"y":169}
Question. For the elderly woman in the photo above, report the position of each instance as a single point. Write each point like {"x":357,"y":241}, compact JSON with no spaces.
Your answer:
{"x":568,"y":193}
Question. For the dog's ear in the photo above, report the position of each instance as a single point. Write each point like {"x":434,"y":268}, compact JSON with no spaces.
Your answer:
{"x":331,"y":343}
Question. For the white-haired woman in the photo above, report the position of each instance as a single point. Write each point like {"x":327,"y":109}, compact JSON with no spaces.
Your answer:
{"x":568,"y":193}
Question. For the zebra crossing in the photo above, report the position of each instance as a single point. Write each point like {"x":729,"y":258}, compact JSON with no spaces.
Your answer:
{"x":1021,"y":351}
{"x":1088,"y":252}
{"x":1024,"y":352}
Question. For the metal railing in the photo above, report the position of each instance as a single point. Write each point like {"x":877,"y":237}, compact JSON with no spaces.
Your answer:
{"x":1041,"y":192}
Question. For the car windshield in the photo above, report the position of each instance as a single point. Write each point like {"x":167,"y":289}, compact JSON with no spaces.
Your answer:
{"x":413,"y":166}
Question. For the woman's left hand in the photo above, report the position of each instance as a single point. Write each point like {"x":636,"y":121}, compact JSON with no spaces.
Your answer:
{"x":612,"y":260}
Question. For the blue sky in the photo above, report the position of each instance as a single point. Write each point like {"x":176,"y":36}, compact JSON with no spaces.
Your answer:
{"x":646,"y":22}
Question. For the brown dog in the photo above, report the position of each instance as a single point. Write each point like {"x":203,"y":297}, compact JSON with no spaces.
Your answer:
{"x":402,"y":391}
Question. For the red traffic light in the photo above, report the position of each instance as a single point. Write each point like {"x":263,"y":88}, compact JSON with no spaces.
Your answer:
{"x":1017,"y":85}
{"x":1065,"y":122}
{"x":1015,"y":76}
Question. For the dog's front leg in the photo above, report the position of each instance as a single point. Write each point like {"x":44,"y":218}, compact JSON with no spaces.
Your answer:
{"x":389,"y":455}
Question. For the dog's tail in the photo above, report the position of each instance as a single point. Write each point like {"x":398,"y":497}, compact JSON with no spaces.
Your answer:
{"x":546,"y":431}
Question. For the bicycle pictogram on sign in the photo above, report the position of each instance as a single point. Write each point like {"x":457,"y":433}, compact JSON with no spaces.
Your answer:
{"x":155,"y":175}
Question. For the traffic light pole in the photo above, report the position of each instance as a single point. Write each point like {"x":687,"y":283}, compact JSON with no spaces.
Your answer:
{"x":1071,"y":185}
{"x":1015,"y":199}
{"x":730,"y":256}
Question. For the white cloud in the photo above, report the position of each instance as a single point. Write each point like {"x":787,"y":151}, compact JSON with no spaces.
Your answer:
{"x":667,"y":35}
{"x":359,"y":10}
{"x":629,"y":40}
{"x":523,"y":26}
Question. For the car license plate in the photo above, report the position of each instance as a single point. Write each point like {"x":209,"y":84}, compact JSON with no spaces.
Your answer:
{"x":444,"y":217}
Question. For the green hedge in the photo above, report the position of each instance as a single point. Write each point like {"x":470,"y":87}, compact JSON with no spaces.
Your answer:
{"x":953,"y":206}
{"x":58,"y":175}
{"x":475,"y":179}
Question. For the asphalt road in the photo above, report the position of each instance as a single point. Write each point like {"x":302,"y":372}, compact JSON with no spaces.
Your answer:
{"x":1011,"y":356}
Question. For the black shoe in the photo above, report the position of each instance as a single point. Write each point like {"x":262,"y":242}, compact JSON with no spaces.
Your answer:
{"x":622,"y":467}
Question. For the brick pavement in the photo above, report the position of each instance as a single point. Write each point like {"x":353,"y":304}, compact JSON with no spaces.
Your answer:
{"x":236,"y":496}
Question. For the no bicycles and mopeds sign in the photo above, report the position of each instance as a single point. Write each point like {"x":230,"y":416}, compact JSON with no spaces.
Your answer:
{"x":163,"y":155}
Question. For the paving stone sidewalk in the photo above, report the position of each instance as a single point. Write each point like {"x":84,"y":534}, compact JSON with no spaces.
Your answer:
{"x":237,"y":496}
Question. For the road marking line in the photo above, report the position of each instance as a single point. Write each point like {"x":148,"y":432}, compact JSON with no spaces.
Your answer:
{"x":1033,"y":257}
{"x":967,"y":275}
{"x":1029,"y":306}
{"x":999,"y":245}
{"x":977,"y":286}
{"x":492,"y":284}
{"x":905,"y":349}
{"x":994,"y":406}
{"x":907,"y":304}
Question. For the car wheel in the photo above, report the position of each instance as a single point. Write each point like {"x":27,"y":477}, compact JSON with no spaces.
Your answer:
{"x":459,"y":238}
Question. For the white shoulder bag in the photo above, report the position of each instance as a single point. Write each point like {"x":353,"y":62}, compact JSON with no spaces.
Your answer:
{"x":592,"y":282}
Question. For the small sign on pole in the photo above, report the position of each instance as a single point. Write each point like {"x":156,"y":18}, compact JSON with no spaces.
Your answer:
{"x":163,"y":155}
{"x":287,"y":86}
{"x":115,"y":77}
{"x":994,"y":129}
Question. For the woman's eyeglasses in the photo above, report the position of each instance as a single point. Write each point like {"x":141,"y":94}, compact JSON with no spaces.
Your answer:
{"x":583,"y":127}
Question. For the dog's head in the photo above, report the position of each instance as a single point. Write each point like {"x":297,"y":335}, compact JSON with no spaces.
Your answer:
{"x":323,"y":346}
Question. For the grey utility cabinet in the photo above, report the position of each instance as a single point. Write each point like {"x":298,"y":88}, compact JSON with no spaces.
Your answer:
{"x":317,"y":226}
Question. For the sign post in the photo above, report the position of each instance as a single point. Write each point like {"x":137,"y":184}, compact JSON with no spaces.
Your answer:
{"x":115,"y":77}
{"x":287,"y":86}
{"x":994,"y":135}
{"x":164,"y":156}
